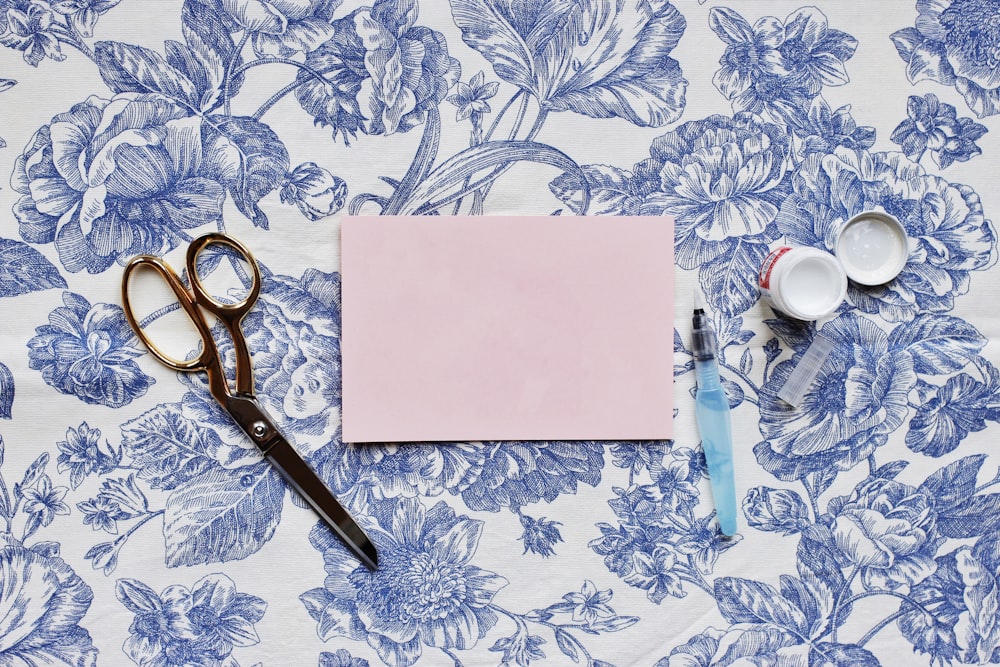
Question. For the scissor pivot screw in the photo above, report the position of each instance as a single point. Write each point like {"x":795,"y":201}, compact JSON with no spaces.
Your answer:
{"x":259,"y":429}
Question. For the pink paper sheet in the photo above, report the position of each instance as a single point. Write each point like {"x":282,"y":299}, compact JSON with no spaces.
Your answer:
{"x":507,"y":328}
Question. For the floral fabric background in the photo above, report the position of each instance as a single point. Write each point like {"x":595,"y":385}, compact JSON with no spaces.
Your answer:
{"x":137,"y":525}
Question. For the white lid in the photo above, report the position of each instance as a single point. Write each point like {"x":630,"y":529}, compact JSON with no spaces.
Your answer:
{"x":813,"y":284}
{"x":872,"y":248}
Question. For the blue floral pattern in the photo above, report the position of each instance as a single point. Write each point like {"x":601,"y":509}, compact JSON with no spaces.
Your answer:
{"x":955,"y":43}
{"x":270,"y":119}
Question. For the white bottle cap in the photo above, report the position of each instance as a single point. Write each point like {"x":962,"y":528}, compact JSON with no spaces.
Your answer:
{"x":872,"y":248}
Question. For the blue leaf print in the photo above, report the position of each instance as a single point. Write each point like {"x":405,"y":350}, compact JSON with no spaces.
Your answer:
{"x":219,"y":517}
{"x":214,"y":68}
{"x":939,"y":344}
{"x":594,"y":58}
{"x":43,"y":598}
{"x":941,"y":594}
{"x":955,"y":482}
{"x":133,"y":163}
{"x":88,"y":352}
{"x":976,"y":516}
{"x":23,"y":269}
{"x":6,"y":392}
{"x":127,"y":68}
{"x":247,"y":158}
{"x":825,"y":654}
{"x":730,"y":280}
{"x":961,"y":406}
{"x":515,"y":474}
{"x":741,"y":643}
{"x":746,"y":601}
{"x":341,"y":658}
{"x":167,"y":448}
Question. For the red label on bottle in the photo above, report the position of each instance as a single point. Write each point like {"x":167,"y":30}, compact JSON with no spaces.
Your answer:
{"x":764,"y":280}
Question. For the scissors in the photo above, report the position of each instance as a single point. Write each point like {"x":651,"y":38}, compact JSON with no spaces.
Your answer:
{"x":242,"y":404}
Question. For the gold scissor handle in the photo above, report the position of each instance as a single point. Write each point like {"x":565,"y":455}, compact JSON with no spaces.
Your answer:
{"x":187,"y":303}
{"x":227,"y":312}
{"x":230,"y":314}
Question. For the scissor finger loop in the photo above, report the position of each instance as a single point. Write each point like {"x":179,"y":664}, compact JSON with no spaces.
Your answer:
{"x":231,"y":312}
{"x":187,"y":304}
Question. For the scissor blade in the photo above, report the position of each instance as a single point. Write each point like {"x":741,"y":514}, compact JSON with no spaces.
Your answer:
{"x":309,"y":485}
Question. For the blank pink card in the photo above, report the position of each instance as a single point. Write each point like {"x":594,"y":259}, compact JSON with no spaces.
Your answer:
{"x":507,"y":328}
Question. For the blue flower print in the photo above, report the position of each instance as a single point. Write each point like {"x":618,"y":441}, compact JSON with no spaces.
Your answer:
{"x":827,"y":129}
{"x":315,"y":191}
{"x":775,"y":510}
{"x":101,"y":513}
{"x":44,"y":501}
{"x":719,"y":177}
{"x":426,"y":591}
{"x":886,"y":529}
{"x":590,"y":604}
{"x":657,"y":574}
{"x":340,"y":658}
{"x":955,"y":43}
{"x":119,"y":499}
{"x":82,"y":15}
{"x":519,"y":649}
{"x":778,"y":67}
{"x":595,"y":58}
{"x":385,"y":73}
{"x":858,"y":398}
{"x":751,"y":51}
{"x":28,"y":27}
{"x":814,"y":52}
{"x":44,"y":601}
{"x":285,"y":27}
{"x":472,"y":102}
{"x":110,"y":179}
{"x":722,"y":179}
{"x":179,"y":626}
{"x":539,"y":535}
{"x":88,"y":352}
{"x":472,"y":98}
{"x":124,"y":493}
{"x":934,"y":126}
{"x":81,"y":454}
